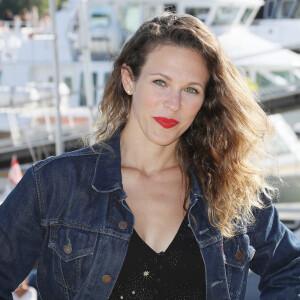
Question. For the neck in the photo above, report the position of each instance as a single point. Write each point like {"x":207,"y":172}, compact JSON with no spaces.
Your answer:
{"x":140,"y":153}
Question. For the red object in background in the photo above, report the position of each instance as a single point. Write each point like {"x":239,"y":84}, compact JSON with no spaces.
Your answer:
{"x":15,"y":173}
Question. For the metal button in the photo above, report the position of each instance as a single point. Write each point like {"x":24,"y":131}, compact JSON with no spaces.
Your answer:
{"x":106,"y":278}
{"x":239,"y":255}
{"x":67,"y":249}
{"x":123,"y":225}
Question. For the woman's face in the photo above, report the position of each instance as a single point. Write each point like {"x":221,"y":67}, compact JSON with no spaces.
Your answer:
{"x":168,"y":93}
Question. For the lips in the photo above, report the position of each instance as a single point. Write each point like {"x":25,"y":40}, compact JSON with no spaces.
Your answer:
{"x":165,"y":122}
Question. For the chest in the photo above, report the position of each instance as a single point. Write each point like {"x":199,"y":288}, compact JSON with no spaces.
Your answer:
{"x":157,"y":205}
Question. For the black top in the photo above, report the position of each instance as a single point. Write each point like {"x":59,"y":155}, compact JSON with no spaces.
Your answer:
{"x":176,"y":274}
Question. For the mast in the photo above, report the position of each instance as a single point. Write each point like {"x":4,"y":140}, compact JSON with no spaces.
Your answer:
{"x":86,"y":55}
{"x":58,"y":131}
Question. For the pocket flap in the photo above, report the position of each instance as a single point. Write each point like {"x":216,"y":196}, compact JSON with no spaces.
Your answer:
{"x":71,"y":243}
{"x":238,"y":251}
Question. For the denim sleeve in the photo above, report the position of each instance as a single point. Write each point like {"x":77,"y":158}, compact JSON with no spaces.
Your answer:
{"x":277,"y":257}
{"x":20,"y":234}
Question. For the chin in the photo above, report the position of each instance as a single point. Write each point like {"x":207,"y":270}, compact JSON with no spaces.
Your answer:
{"x":164,"y":140}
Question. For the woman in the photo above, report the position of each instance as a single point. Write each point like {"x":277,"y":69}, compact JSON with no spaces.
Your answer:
{"x":127,"y":218}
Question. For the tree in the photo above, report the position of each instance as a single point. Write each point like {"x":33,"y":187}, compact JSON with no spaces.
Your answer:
{"x":16,"y":6}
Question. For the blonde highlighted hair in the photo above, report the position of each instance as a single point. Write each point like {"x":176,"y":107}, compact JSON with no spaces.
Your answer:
{"x":225,"y":141}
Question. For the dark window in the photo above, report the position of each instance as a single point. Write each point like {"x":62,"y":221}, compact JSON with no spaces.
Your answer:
{"x":260,"y":14}
{"x":270,"y":8}
{"x":68,"y":82}
{"x":297,"y":13}
{"x":285,"y":9}
{"x":246,"y":15}
{"x":198,"y":12}
{"x":82,"y":100}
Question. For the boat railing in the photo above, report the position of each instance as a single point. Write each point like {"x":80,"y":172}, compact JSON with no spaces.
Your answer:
{"x":278,"y":91}
{"x":31,"y":124}
{"x":17,"y":25}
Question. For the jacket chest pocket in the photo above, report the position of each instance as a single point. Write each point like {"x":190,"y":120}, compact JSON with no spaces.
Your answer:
{"x":72,"y":254}
{"x":237,"y":254}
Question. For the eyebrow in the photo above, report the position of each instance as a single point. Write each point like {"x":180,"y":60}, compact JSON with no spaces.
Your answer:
{"x":169,"y":78}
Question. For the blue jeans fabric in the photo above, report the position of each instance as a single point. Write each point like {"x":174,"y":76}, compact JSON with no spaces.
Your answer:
{"x":69,"y":212}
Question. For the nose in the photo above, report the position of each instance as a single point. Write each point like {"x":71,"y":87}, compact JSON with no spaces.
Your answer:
{"x":173,"y":101}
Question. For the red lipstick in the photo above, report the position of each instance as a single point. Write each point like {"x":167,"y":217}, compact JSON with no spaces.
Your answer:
{"x":165,"y":122}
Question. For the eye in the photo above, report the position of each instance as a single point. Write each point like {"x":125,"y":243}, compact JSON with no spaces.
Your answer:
{"x":159,"y":82}
{"x":192,"y":90}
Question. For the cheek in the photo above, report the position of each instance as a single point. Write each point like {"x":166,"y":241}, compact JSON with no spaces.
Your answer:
{"x":140,"y":106}
{"x":193,"y":110}
{"x":144,"y":103}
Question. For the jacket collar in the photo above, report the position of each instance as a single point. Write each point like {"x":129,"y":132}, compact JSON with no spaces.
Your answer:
{"x":196,"y":189}
{"x":107,"y":176}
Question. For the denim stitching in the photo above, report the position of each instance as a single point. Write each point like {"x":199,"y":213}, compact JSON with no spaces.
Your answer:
{"x":242,"y":282}
{"x":210,"y":241}
{"x":41,"y":199}
{"x":94,"y":229}
{"x":50,"y":159}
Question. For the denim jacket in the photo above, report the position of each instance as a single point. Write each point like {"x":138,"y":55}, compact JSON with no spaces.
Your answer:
{"x":70,"y":214}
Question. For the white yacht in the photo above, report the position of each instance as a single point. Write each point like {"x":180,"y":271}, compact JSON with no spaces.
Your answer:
{"x":26,"y":69}
{"x":279,"y":22}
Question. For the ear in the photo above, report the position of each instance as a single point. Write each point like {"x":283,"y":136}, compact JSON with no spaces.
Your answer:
{"x":127,"y":79}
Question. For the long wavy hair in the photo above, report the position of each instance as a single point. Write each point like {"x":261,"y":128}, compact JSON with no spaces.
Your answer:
{"x":226,"y":139}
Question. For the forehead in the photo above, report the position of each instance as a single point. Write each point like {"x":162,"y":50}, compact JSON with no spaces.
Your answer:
{"x":172,"y":47}
{"x":178,"y":61}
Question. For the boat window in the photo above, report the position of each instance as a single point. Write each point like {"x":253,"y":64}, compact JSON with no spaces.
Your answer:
{"x":106,"y":77}
{"x":262,"y":81}
{"x":286,"y":75}
{"x":225,"y":15}
{"x":82,"y":98}
{"x":68,"y":82}
{"x":297,"y":13}
{"x":199,"y":12}
{"x":95,"y":83}
{"x":99,"y":20}
{"x":100,"y":17}
{"x":285,"y":10}
{"x":269,"y":9}
{"x":130,"y":19}
{"x":246,"y":15}
{"x":296,"y":74}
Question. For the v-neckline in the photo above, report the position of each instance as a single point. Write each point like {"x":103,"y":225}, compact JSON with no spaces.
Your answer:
{"x":161,"y":252}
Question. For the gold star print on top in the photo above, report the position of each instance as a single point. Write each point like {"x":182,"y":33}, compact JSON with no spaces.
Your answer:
{"x":176,"y":274}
